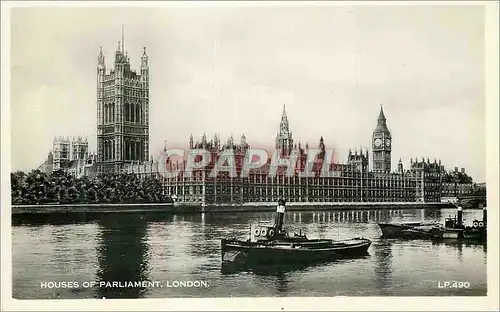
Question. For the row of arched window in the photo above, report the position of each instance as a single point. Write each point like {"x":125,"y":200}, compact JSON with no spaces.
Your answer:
{"x":132,"y":112}
{"x":109,"y":112}
{"x":108,"y":152}
{"x":133,"y":150}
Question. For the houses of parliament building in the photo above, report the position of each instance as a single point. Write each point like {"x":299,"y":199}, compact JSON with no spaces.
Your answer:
{"x":123,"y":146}
{"x":349,"y":182}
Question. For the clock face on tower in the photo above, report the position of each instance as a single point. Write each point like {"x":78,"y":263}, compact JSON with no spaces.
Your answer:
{"x":388,"y":142}
{"x":377,"y":142}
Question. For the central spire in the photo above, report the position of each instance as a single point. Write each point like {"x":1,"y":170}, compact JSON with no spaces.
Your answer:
{"x":283,"y":116}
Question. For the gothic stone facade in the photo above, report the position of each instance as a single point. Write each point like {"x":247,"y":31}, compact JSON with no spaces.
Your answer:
{"x":122,"y":112}
{"x":346,"y":182}
{"x":349,"y":182}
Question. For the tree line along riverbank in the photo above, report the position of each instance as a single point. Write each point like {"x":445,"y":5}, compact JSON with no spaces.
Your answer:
{"x":59,"y":188}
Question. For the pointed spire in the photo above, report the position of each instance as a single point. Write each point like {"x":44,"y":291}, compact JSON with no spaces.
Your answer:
{"x":381,"y":114}
{"x":283,"y":115}
{"x":381,"y":122}
{"x":100,"y":58}
{"x":144,"y":59}
{"x":165,"y":147}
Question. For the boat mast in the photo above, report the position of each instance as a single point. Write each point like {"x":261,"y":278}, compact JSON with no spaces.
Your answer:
{"x":459,"y":216}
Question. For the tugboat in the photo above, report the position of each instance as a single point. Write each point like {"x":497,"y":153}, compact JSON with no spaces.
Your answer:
{"x":271,"y":244}
{"x":478,"y":230}
{"x":453,"y":228}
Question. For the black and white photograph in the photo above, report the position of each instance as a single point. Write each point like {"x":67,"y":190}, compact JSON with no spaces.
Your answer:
{"x":249,"y":150}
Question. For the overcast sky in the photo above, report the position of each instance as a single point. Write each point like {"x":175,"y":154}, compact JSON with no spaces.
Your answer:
{"x":231,"y":70}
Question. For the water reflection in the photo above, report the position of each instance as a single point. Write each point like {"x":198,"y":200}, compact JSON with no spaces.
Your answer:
{"x":351,"y":216}
{"x":459,"y":244}
{"x":228,"y":268}
{"x":187,"y":246}
{"x":122,"y":255}
{"x":383,"y":265}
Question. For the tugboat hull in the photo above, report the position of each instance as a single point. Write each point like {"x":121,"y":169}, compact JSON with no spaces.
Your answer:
{"x":475,"y":234}
{"x":279,"y":253}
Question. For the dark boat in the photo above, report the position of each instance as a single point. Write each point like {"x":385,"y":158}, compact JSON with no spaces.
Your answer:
{"x":453,"y":228}
{"x":475,"y":232}
{"x":409,"y":229}
{"x":271,"y":244}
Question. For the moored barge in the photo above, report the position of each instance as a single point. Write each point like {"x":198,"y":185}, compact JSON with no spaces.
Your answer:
{"x":453,"y":228}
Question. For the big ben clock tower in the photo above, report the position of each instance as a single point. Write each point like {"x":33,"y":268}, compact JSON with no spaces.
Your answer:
{"x":381,"y":142}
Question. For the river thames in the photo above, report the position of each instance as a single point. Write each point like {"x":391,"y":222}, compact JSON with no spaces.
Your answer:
{"x":166,"y":255}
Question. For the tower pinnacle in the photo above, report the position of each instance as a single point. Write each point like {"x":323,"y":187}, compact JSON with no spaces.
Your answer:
{"x":381,"y":121}
{"x":284,"y":140}
{"x":100,"y":58}
{"x":283,"y":115}
{"x":144,"y":59}
{"x":381,"y":114}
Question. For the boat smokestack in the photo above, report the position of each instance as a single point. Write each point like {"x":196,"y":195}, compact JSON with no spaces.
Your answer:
{"x":485,"y":215}
{"x":460,"y":216}
{"x":280,"y":214}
